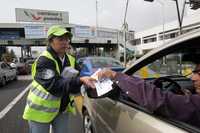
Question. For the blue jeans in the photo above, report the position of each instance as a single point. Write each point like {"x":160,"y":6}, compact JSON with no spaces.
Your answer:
{"x":59,"y":125}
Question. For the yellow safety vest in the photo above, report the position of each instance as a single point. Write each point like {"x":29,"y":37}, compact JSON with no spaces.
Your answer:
{"x":42,"y":106}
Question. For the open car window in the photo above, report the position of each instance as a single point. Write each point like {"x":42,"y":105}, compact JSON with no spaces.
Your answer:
{"x":170,"y":65}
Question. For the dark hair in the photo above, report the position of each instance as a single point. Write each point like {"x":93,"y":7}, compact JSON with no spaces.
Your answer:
{"x":51,"y":37}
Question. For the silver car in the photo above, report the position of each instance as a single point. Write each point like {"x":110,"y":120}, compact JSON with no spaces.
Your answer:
{"x":117,"y":113}
{"x":7,"y":73}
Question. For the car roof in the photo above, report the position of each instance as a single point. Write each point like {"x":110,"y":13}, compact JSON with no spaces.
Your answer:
{"x":188,"y":39}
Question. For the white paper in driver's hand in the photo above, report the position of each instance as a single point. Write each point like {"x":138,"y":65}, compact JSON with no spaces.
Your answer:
{"x":103,"y":86}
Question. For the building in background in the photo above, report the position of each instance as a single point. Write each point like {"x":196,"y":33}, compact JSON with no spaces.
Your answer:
{"x":149,"y":39}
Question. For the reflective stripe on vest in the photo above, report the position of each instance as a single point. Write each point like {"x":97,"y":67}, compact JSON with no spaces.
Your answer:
{"x":41,"y":108}
{"x":41,"y":105}
{"x":41,"y":93}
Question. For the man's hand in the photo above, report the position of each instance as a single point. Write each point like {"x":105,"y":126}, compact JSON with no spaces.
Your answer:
{"x":88,"y":81}
{"x":106,"y":73}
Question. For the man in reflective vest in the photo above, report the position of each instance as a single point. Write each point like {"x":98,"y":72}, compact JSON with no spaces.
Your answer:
{"x":49,"y":100}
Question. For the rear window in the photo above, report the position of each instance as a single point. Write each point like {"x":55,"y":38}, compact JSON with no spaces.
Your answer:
{"x":100,"y":63}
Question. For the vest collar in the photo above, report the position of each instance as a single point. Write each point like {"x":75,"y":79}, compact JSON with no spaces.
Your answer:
{"x":55,"y":56}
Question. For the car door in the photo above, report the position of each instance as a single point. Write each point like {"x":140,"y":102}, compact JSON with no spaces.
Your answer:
{"x":124,"y":116}
{"x":1,"y":72}
{"x":9,"y":71}
{"x":13,"y":72}
{"x":6,"y":71}
{"x":107,"y":114}
{"x":121,"y":117}
{"x":131,"y":120}
{"x":174,"y":64}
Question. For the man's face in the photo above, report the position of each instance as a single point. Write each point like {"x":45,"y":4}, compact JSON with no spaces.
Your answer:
{"x":196,"y":78}
{"x":60,"y":44}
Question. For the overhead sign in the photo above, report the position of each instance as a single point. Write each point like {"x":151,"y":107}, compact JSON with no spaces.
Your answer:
{"x":35,"y":32}
{"x":9,"y":35}
{"x":43,"y":16}
{"x":85,"y":31}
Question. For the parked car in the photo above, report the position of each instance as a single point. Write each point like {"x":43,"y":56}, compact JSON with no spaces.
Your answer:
{"x":22,"y":68}
{"x":7,"y":73}
{"x":169,"y":65}
{"x":90,"y":64}
{"x":29,"y":64}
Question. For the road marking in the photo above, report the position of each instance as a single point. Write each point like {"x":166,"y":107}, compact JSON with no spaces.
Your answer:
{"x":11,"y":104}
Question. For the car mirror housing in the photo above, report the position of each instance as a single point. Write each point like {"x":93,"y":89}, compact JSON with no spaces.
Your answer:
{"x":91,"y":93}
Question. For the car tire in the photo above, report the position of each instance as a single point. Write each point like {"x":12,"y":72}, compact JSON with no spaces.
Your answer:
{"x":15,"y":79}
{"x":3,"y":81}
{"x":87,"y":123}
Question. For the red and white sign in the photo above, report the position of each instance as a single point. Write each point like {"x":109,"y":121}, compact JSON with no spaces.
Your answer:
{"x":42,"y":16}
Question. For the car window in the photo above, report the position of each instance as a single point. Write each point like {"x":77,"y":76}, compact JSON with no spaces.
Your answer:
{"x":168,"y":65}
{"x":98,"y":63}
{"x":104,"y":62}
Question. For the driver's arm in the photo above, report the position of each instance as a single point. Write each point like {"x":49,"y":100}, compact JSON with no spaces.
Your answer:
{"x":179,"y":107}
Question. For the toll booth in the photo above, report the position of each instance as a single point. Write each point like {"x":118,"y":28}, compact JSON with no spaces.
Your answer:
{"x":86,"y":39}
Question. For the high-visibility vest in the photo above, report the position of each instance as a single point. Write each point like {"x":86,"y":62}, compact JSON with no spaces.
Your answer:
{"x":42,"y":106}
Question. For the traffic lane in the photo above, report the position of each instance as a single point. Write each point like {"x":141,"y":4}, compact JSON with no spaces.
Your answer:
{"x":12,"y":122}
{"x":77,"y":124}
{"x":11,"y":90}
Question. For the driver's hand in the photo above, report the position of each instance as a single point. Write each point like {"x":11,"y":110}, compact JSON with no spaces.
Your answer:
{"x":106,"y":73}
{"x":88,"y":81}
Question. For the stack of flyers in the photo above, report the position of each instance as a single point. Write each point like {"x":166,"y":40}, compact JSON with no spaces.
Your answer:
{"x":103,"y":86}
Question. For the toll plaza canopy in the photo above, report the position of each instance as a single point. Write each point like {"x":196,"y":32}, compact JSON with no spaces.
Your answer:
{"x":17,"y":34}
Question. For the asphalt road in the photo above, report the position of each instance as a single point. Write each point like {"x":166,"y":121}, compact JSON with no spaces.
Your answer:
{"x":12,"y":122}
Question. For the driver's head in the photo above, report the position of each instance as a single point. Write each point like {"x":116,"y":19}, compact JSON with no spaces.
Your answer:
{"x":196,"y":78}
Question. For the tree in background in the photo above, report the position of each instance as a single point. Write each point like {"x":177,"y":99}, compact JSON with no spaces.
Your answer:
{"x":8,"y":56}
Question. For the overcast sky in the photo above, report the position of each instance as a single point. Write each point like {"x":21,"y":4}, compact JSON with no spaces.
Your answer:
{"x":141,"y":15}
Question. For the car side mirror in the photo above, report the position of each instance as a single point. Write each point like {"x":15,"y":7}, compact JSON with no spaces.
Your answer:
{"x":91,"y":93}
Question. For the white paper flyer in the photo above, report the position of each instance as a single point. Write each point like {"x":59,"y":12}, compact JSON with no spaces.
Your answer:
{"x":102,"y":86}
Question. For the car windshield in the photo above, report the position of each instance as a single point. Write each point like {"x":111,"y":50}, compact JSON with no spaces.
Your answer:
{"x":104,"y":62}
